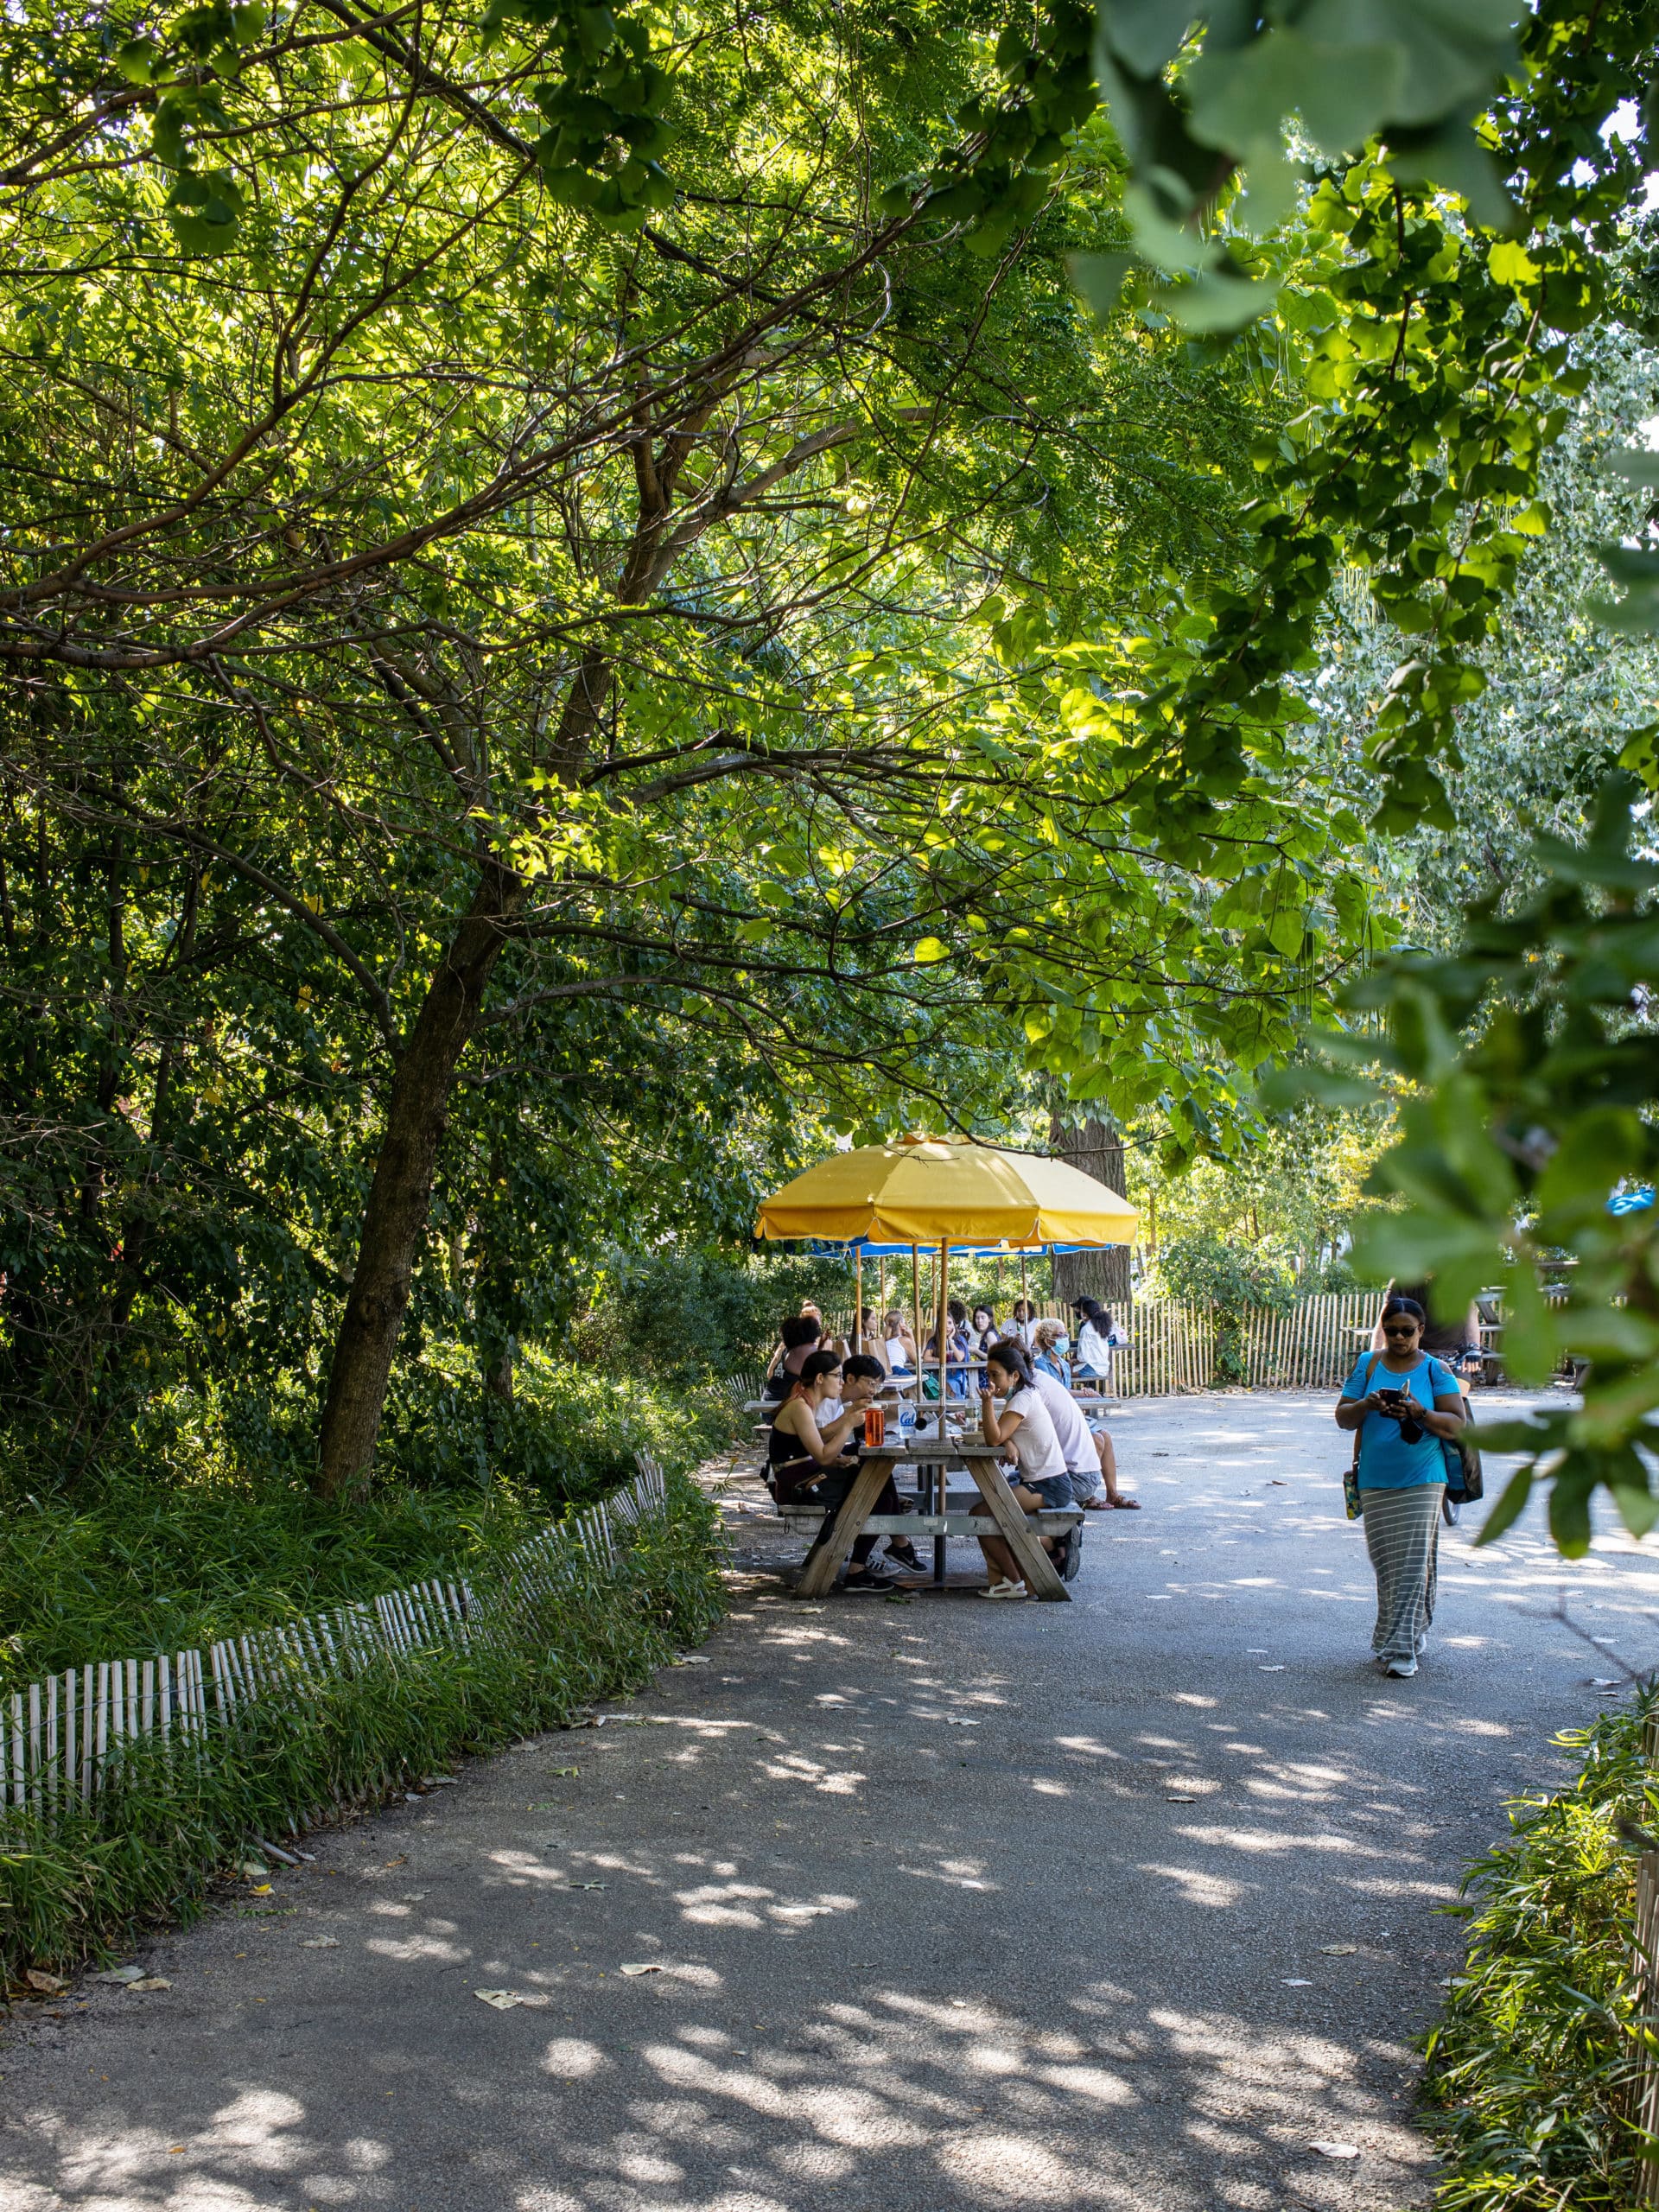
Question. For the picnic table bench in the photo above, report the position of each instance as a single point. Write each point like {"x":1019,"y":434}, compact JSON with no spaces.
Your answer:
{"x":984,"y":1463}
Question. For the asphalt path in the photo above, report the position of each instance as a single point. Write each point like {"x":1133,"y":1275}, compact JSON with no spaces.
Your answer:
{"x":1128,"y":1903}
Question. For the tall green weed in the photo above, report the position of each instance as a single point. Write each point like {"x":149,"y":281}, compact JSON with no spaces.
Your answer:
{"x":1532,"y":2070}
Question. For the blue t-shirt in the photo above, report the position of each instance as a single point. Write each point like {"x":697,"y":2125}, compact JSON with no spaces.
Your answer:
{"x":1386,"y":1460}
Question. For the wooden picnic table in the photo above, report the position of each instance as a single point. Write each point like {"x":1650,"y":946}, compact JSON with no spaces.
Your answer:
{"x":984,"y":1462}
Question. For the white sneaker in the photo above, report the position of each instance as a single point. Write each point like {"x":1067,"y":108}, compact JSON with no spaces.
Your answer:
{"x":1403,"y":1667}
{"x":1004,"y":1589}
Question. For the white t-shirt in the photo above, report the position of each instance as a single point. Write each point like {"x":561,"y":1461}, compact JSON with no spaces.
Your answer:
{"x":1070,"y":1430}
{"x":1094,"y":1351}
{"x":898,"y":1352}
{"x":1036,"y":1448}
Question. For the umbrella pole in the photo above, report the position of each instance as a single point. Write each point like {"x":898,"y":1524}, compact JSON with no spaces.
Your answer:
{"x":1025,"y":1295}
{"x":916,"y":1319}
{"x":858,"y":1298}
{"x":882,"y":1283}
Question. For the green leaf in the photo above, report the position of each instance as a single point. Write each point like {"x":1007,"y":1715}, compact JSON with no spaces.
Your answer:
{"x":1532,"y":1342}
{"x":1342,"y":92}
{"x":1217,"y":302}
{"x":1511,"y":1504}
{"x":136,"y":59}
{"x":1098,"y":278}
{"x":930,"y":949}
{"x":1287,"y":1087}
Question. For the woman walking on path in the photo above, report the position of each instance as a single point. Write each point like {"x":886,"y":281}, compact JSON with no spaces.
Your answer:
{"x":1405,"y":1404}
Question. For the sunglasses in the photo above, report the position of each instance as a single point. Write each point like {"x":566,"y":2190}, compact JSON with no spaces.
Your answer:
{"x":1408,"y":1329}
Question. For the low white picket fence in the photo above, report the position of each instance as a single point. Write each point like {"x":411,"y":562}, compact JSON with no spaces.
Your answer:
{"x":60,"y":1735}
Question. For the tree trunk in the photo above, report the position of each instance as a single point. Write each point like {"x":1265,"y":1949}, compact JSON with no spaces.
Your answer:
{"x":400,"y":1197}
{"x":1096,"y":1148}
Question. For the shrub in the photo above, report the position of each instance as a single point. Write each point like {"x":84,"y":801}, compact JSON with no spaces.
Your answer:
{"x":1531,"y":2071}
{"x":1232,"y":1282}
{"x":693,"y":1315}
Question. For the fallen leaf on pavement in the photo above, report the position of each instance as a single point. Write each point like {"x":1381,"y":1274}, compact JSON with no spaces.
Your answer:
{"x":1336,"y":2150}
{"x":1274,"y":1483}
{"x":691,"y":1662}
{"x":1295,"y":1981}
{"x":261,"y":1890}
{"x":1606,"y":1682}
{"x":1278,"y":1667}
{"x":320,"y":1943}
{"x":48,"y":1984}
{"x":121,"y":1974}
{"x":644,"y":1970}
{"x":439,"y":1781}
{"x":1172,"y":1797}
{"x":1339,"y":1950}
{"x":953,"y":1721}
{"x":505,"y":1999}
{"x":557,"y":1771}
{"x":151,"y":1981}
{"x":255,"y":1869}
{"x":580,"y":1886}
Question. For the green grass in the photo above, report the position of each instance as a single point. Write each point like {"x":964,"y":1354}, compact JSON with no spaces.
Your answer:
{"x":188,"y":1540}
{"x":146,"y":1849}
{"x":1532,"y":2070}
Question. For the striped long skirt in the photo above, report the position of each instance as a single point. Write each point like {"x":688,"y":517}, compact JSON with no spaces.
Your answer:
{"x":1402,"y":1535}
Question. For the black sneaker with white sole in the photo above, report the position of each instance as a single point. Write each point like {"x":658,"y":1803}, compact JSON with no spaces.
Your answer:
{"x":875,"y":1576}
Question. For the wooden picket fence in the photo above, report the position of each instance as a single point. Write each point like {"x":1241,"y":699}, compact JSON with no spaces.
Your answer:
{"x":1171,"y":1349}
{"x":60,"y":1737}
{"x":1310,"y":1346}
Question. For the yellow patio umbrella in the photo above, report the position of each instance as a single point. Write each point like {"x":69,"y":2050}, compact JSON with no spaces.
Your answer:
{"x":947,"y":1191}
{"x":923,"y":1190}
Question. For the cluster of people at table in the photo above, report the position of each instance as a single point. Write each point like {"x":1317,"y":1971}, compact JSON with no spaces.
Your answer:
{"x":969,"y":1337}
{"x":821,"y":1392}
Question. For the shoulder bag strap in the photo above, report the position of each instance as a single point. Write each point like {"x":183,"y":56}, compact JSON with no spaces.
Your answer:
{"x":1364,"y":1393}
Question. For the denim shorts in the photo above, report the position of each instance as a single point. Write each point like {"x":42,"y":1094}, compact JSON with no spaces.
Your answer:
{"x":1055,"y":1491}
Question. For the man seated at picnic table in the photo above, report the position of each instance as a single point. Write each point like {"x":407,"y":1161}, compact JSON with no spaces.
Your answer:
{"x":1091,"y":1458}
{"x":1041,"y":1483}
{"x":815,"y":1465}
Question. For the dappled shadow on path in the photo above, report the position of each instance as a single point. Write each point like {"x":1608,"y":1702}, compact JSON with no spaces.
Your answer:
{"x":1124,"y":1904}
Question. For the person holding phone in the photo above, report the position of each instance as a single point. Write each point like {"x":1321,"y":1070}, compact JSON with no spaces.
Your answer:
{"x":1407,"y":1406}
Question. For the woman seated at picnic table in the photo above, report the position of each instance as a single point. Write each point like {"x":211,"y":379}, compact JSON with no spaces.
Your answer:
{"x":900,"y":1343}
{"x":1049,"y":1346}
{"x":798,"y":1339}
{"x":1098,"y":1337}
{"x":811,"y":1465}
{"x":871,"y":1340}
{"x":1023,"y":1325}
{"x":1091,"y":1456}
{"x":1041,"y":1483}
{"x":956,"y":1346}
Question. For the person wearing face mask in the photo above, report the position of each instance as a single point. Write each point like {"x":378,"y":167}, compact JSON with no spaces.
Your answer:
{"x":1406,"y":1405}
{"x":1049,"y":1346}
